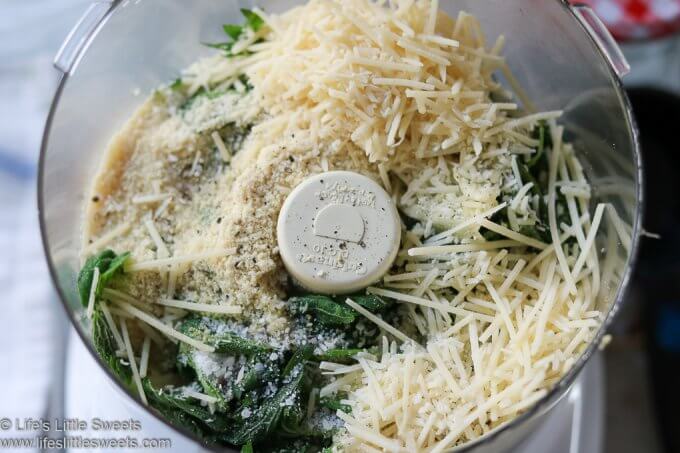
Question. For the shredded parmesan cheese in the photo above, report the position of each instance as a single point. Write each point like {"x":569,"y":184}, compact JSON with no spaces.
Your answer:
{"x":176,"y":260}
{"x":93,"y":291}
{"x":170,"y":332}
{"x":133,"y":363}
{"x":144,"y":359}
{"x":204,"y":308}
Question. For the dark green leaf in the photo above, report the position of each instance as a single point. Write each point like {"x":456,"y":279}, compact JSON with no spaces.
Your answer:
{"x":260,"y":370}
{"x":293,"y":417}
{"x":501,"y":218}
{"x":325,"y":309}
{"x":334,"y":404}
{"x":231,"y":343}
{"x":371,"y":302}
{"x":211,"y":384}
{"x":537,"y":231}
{"x":527,"y":177}
{"x":541,"y":132}
{"x":253,"y":21}
{"x":298,"y":359}
{"x":176,"y":397}
{"x":115,"y":267}
{"x":171,"y":413}
{"x":339,"y":355}
{"x":217,"y":422}
{"x":225,"y":46}
{"x":562,"y":212}
{"x":101,"y":261}
{"x":265,"y":420}
{"x":233,"y":31}
{"x":109,"y":266}
{"x":205,"y":331}
{"x":105,"y":345}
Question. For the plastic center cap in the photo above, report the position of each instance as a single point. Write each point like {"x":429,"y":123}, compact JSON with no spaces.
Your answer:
{"x":338,"y":232}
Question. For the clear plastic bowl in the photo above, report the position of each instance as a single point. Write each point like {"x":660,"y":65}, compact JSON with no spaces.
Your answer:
{"x":561,"y":56}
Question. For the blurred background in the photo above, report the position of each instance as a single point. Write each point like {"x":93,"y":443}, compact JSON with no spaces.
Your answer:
{"x":642,"y":363}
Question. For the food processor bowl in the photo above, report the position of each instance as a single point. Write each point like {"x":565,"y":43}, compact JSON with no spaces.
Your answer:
{"x":120,"y":51}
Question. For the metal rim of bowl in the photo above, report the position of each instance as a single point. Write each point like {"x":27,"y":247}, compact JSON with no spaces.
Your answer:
{"x":543,"y":404}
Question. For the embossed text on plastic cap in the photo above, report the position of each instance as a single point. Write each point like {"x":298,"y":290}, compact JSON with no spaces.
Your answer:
{"x":338,"y":232}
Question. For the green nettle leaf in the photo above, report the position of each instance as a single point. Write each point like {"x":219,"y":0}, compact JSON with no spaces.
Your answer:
{"x":325,"y":309}
{"x":211,"y":384}
{"x":115,"y":268}
{"x":176,"y":398}
{"x":247,"y":448}
{"x":527,"y":177}
{"x":170,"y":412}
{"x":542,"y":133}
{"x":299,"y":357}
{"x":253,"y":21}
{"x":230,"y":343}
{"x":105,"y":345}
{"x":101,"y":261}
{"x":258,"y":372}
{"x":266,"y":419}
{"x":370,"y":302}
{"x":339,"y":355}
{"x":293,"y":417}
{"x":225,"y":46}
{"x":537,"y":231}
{"x":233,"y":31}
{"x":109,"y":265}
{"x":204,"y":330}
{"x":212,"y":387}
{"x":534,"y":170}
{"x":285,"y":404}
{"x":334,"y":404}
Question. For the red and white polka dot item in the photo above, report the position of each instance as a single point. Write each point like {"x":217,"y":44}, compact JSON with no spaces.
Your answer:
{"x":638,"y":19}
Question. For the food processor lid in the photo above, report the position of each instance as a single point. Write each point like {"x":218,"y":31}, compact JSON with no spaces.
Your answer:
{"x":338,"y":232}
